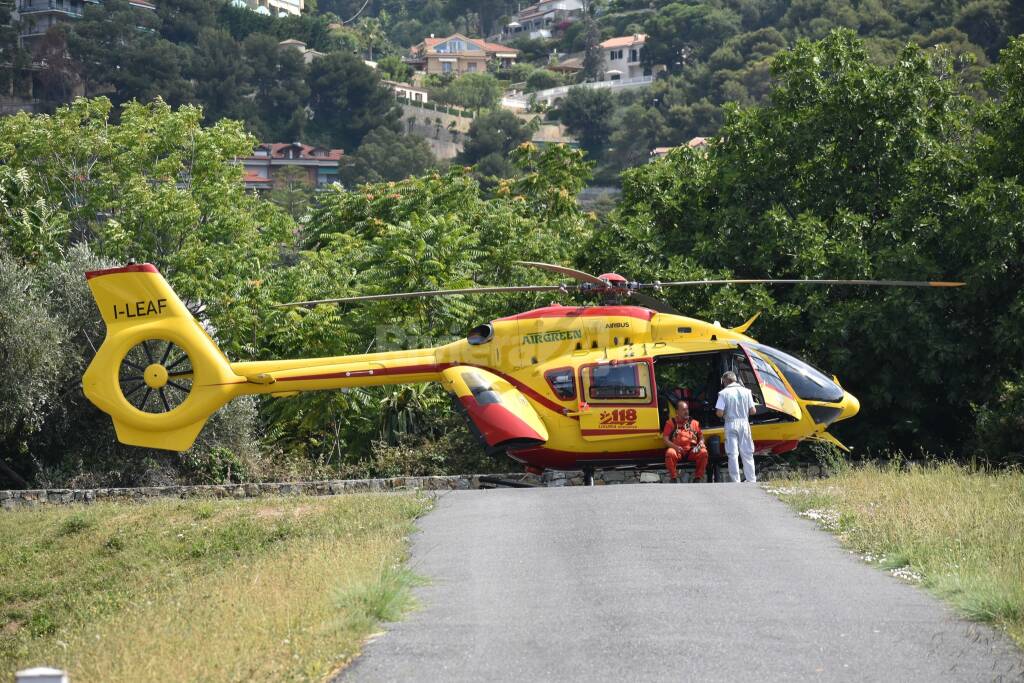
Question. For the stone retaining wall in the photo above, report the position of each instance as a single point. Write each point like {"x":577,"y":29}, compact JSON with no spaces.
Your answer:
{"x":10,"y":500}
{"x":30,"y":498}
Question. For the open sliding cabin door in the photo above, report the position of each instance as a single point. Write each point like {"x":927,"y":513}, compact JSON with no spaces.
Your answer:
{"x":775,"y":394}
{"x":620,"y":400}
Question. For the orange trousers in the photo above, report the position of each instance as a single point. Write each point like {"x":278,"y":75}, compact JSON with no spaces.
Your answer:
{"x":673,"y":456}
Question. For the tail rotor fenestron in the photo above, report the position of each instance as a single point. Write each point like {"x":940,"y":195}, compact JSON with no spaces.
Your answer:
{"x":156,"y":376}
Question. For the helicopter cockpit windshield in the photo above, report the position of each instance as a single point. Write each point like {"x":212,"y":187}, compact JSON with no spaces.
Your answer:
{"x":809,"y":383}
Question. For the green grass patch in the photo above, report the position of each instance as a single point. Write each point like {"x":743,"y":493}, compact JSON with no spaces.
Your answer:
{"x":961,"y":532}
{"x":264,"y":589}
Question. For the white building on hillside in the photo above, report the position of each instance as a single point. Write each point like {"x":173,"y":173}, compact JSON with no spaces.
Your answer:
{"x":273,"y":8}
{"x":408,"y":92}
{"x":622,"y":57}
{"x":537,"y":21}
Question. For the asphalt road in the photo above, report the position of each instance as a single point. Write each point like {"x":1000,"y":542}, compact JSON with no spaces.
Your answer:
{"x":662,"y":582}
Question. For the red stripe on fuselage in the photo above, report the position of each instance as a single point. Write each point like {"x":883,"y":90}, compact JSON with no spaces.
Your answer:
{"x":432,"y":368}
{"x":623,"y":432}
{"x":376,"y":372}
{"x":526,"y":389}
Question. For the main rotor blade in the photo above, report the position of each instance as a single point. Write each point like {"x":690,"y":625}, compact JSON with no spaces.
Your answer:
{"x":440,"y":292}
{"x":562,"y":270}
{"x":654,"y":303}
{"x":868,"y":283}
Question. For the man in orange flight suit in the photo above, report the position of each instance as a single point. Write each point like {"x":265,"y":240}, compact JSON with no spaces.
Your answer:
{"x":685,"y":443}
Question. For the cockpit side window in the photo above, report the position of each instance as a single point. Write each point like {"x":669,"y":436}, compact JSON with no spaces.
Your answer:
{"x":562,"y":382}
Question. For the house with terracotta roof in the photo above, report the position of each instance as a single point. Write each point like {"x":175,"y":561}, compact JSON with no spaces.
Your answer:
{"x":572,"y":64}
{"x":319,"y":163}
{"x":459,"y":55}
{"x":622,"y":57}
{"x":700,"y":143}
{"x":308,"y":54}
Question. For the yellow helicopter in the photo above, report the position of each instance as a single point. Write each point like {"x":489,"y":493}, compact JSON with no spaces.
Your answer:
{"x":558,"y":387}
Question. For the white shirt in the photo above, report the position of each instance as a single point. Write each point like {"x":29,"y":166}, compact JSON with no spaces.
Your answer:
{"x":735,"y":401}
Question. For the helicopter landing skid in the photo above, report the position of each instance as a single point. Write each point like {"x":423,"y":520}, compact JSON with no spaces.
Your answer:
{"x":491,"y":482}
{"x":588,"y":476}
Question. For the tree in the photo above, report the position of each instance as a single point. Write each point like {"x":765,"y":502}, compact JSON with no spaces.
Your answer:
{"x":679,"y":33}
{"x":386,"y":155}
{"x":541,"y":79}
{"x":155,"y":187}
{"x":984,"y":22}
{"x":493,"y":136}
{"x":79,"y":191}
{"x":393,"y":68}
{"x":371,"y":35}
{"x":347,"y":100}
{"x":183,"y":21}
{"x":292,"y":190}
{"x":30,"y":344}
{"x":638,"y":130}
{"x":222,"y":77}
{"x":474,"y":91}
{"x":592,"y":60}
{"x":56,"y":83}
{"x":118,"y":47}
{"x":587,"y":113}
{"x":279,"y":77}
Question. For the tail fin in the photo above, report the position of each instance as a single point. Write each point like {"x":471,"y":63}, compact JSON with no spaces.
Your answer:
{"x":157,"y":373}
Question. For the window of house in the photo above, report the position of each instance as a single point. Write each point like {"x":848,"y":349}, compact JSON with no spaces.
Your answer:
{"x":446,"y":67}
{"x":634,"y":55}
{"x":614,"y":55}
{"x":471,"y":66}
{"x":455,"y":45}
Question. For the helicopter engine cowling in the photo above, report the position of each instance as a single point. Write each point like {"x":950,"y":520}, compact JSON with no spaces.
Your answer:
{"x":499,"y":413}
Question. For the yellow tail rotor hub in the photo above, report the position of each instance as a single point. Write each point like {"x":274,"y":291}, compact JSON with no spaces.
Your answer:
{"x":155,"y":376}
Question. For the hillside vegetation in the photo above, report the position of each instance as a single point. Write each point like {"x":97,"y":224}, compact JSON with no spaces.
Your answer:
{"x":716,"y":52}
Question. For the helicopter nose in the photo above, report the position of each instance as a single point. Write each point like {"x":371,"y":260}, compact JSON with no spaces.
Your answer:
{"x":850,"y":406}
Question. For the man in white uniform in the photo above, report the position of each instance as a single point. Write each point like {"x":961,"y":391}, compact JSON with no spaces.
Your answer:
{"x":736,"y":405}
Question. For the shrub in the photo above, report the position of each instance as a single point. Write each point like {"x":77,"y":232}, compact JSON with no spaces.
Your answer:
{"x":999,"y":425}
{"x":31,"y":354}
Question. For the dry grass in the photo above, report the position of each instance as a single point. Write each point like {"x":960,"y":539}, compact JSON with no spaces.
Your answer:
{"x":961,"y":533}
{"x":202,"y":590}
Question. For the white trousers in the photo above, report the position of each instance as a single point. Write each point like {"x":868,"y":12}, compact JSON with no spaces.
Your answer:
{"x":738,"y":442}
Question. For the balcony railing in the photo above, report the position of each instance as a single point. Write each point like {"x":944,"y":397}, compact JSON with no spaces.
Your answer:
{"x":620,"y":83}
